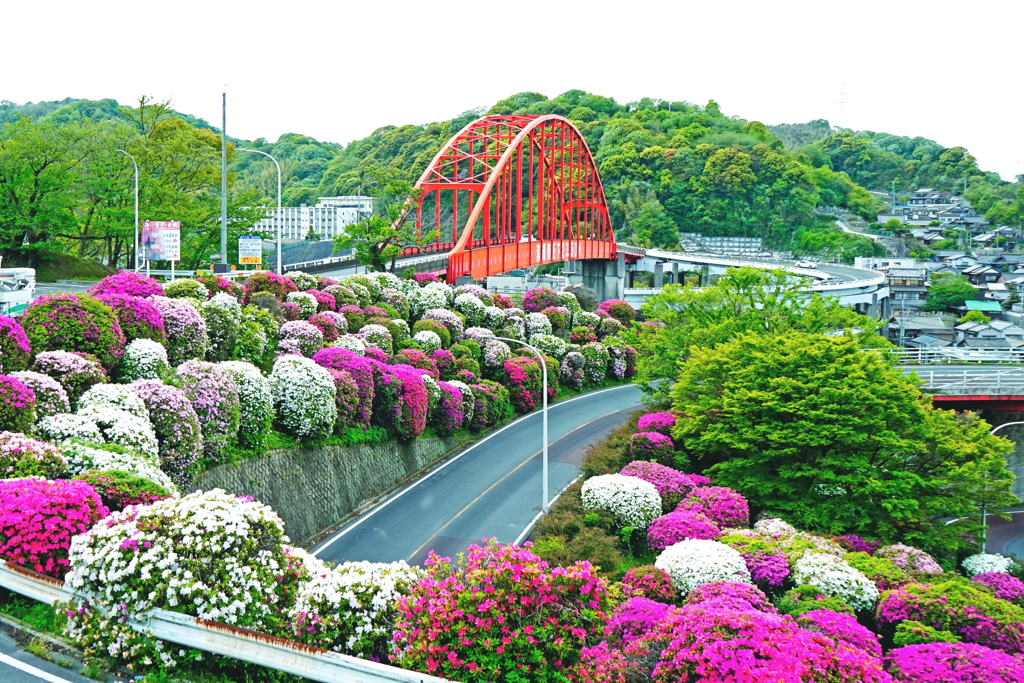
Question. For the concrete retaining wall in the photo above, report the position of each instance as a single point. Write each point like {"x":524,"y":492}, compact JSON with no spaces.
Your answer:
{"x":313,"y":489}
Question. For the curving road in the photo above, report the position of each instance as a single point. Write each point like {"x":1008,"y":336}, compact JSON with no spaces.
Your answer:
{"x":490,"y":489}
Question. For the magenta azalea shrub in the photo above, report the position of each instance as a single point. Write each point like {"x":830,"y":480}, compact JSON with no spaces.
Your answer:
{"x":650,"y":582}
{"x":412,"y":416}
{"x":23,"y":456}
{"x":728,"y":508}
{"x":767,"y":563}
{"x":74,"y":322}
{"x":176,"y":426}
{"x":324,"y":301}
{"x":668,"y":481}
{"x":618,"y":309}
{"x":214,"y":397}
{"x":423,"y":278}
{"x":657,"y":422}
{"x":537,"y":299}
{"x":638,"y":617}
{"x":418,"y":360}
{"x":17,"y":405}
{"x":857,"y":544}
{"x":38,"y":518}
{"x":524,"y":382}
{"x":1003,"y":586}
{"x":444,"y":361}
{"x":186,"y":330}
{"x":679,"y":526}
{"x":15,"y":350}
{"x":346,"y":397}
{"x":290,"y":311}
{"x":841,"y":627}
{"x":501,"y":613}
{"x":729,"y":645}
{"x":953,"y":663}
{"x":308,"y":338}
{"x":266,"y":281}
{"x":651,"y":446}
{"x":138,"y":318}
{"x":720,"y":592}
{"x":450,"y":412}
{"x":972,"y":613}
{"x":75,"y":372}
{"x":127,"y":283}
{"x":361,"y":371}
{"x":327,"y":326}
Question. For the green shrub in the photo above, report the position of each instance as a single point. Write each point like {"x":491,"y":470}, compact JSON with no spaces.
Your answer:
{"x":916,"y":633}
{"x":74,"y":322}
{"x":804,"y":599}
{"x":186,"y":289}
{"x":118,"y":489}
{"x":437,"y":328}
{"x":880,"y":570}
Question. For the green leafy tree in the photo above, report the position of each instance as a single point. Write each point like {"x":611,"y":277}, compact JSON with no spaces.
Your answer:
{"x":382,"y":236}
{"x":836,"y":439}
{"x":948,"y":290}
{"x":975,"y":317}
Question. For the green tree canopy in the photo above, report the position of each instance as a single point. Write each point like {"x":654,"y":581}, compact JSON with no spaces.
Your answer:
{"x":836,"y":439}
{"x":946,"y":290}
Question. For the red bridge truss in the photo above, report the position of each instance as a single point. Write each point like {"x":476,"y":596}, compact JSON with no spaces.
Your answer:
{"x":514,"y":191}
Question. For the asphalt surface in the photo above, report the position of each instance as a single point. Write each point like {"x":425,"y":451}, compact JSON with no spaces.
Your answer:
{"x":491,"y":489}
{"x":43,"y":288}
{"x":19,"y":666}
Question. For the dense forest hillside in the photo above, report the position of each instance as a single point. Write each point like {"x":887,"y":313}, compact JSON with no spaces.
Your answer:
{"x":668,"y":167}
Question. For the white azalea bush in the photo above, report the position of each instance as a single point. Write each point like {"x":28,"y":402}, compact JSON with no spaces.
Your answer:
{"x":633,"y":501}
{"x":209,"y":554}
{"x":307,"y":302}
{"x":350,"y":342}
{"x":302,"y":280}
{"x":377,"y":336}
{"x":550,"y":345}
{"x":352,"y":608}
{"x":695,"y":562}
{"x":422,"y":300}
{"x":83,"y":457}
{"x":493,"y":317}
{"x":123,"y":428}
{"x":987,"y":563}
{"x":144,"y":359}
{"x":429,"y":341}
{"x":64,"y":426}
{"x":774,"y":527}
{"x":537,"y":323}
{"x":468,"y":400}
{"x":471,"y":307}
{"x":256,"y":400}
{"x":304,"y":398}
{"x":118,"y":396}
{"x":836,"y":579}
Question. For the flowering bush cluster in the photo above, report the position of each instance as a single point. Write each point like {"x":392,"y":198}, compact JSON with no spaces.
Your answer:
{"x":694,"y":562}
{"x":669,"y":482}
{"x":500,"y":614}
{"x":730,"y":595}
{"x":1003,"y":586}
{"x":22,"y":456}
{"x":74,"y":322}
{"x":953,"y":663}
{"x":214,"y":396}
{"x":910,"y":559}
{"x":118,"y":489}
{"x":144,"y":359}
{"x":176,"y":426}
{"x":634,"y":502}
{"x":17,"y":405}
{"x":303,"y":396}
{"x":651,"y":446}
{"x":987,"y":563}
{"x":75,"y":373}
{"x":39,"y":519}
{"x":678,"y":526}
{"x":767,"y":563}
{"x":186,"y":330}
{"x":650,"y":582}
{"x":137,"y":318}
{"x":661,"y":423}
{"x":15,"y":351}
{"x":728,"y":508}
{"x":127,"y":283}
{"x":835,"y":578}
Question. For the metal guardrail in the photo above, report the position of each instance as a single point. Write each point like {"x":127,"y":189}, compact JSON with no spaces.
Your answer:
{"x":223,"y":639}
{"x":997,"y":381}
{"x":957,"y":355}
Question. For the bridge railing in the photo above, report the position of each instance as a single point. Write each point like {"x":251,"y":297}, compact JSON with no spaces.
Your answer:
{"x":971,"y":382}
{"x":957,"y":356}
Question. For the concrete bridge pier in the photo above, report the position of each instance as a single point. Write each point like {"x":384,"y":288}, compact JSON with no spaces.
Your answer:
{"x":606,"y":277}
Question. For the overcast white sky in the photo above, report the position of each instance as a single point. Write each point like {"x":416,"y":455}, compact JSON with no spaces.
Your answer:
{"x":338,"y":70}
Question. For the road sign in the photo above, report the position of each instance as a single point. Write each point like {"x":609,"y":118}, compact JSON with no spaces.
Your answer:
{"x":250,"y":250}
{"x":161,"y":240}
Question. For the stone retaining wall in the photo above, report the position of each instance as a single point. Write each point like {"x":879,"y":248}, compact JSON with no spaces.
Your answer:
{"x":313,"y":489}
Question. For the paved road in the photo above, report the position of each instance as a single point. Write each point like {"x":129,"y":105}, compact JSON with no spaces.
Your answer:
{"x":18,"y":666}
{"x":55,"y":288}
{"x":491,"y":489}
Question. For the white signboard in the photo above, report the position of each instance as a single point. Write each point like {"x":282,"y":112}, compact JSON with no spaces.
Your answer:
{"x":250,"y":250}
{"x":161,"y":240}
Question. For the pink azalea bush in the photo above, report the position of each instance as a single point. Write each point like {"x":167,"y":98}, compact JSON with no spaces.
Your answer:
{"x":679,"y":526}
{"x":176,"y":425}
{"x":327,"y":326}
{"x":450,"y":412}
{"x":137,"y":317}
{"x":1003,"y":586}
{"x":308,"y":337}
{"x":501,"y":613}
{"x":650,"y":582}
{"x":361,"y":371}
{"x":718,"y":592}
{"x":657,"y":422}
{"x":726,"y":507}
{"x":537,"y":299}
{"x":668,"y":481}
{"x":74,"y":322}
{"x":651,"y":446}
{"x":50,"y":395}
{"x":841,"y":627}
{"x":17,"y":405}
{"x":266,"y":281}
{"x":127,"y":283}
{"x":15,"y":350}
{"x":857,"y":544}
{"x":524,"y":382}
{"x":953,"y":663}
{"x":767,"y":563}
{"x":22,"y":456}
{"x":75,"y":372}
{"x":638,"y":617}
{"x":324,"y":301}
{"x":412,"y":416}
{"x":187,"y":338}
{"x":214,"y":396}
{"x":910,"y":559}
{"x":38,"y":519}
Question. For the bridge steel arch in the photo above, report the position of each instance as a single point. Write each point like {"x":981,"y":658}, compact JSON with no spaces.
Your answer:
{"x":507,"y":192}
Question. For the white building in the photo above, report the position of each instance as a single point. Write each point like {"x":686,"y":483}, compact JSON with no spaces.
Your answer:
{"x":322,"y":221}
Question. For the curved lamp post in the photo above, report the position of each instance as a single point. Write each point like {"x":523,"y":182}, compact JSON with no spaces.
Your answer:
{"x":135,"y":251}
{"x":544,"y":412}
{"x":277,"y":218}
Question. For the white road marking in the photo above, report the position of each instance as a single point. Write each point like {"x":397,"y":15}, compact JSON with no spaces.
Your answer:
{"x":31,"y":670}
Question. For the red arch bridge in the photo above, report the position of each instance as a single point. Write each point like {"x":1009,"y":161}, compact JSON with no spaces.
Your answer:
{"x":507,"y":192}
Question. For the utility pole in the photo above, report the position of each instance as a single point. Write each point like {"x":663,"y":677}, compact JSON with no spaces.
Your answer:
{"x":224,"y":178}
{"x":903,"y":313}
{"x":135,"y":250}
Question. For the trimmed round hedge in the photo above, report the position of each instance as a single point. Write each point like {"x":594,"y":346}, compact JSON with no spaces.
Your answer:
{"x":75,"y":322}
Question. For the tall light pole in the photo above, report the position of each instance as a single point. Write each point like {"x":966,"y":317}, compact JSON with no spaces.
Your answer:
{"x":984,"y":510}
{"x":224,"y":180}
{"x":135,"y":251}
{"x":544,"y":414}
{"x":277,"y":219}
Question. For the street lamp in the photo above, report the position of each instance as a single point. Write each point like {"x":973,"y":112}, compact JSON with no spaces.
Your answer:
{"x":135,"y":252}
{"x":984,"y":509}
{"x":544,"y":413}
{"x":277,"y":219}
